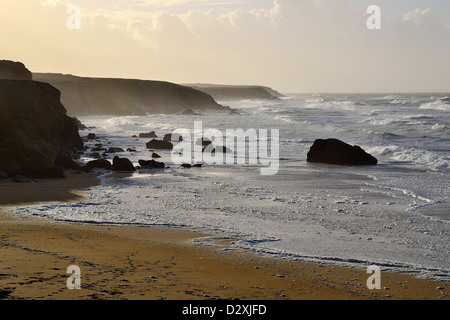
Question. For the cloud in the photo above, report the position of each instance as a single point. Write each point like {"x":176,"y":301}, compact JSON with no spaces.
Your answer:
{"x":292,"y":45}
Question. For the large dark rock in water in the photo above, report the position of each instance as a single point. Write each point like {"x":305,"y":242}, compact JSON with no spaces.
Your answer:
{"x":10,"y":70}
{"x":122,"y":164}
{"x":37,"y":138}
{"x":159,"y":144}
{"x":334,"y":151}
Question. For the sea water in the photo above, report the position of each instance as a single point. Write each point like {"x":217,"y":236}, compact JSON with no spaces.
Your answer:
{"x":395,"y":214}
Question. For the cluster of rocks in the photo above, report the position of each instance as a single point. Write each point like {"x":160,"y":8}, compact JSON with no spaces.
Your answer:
{"x":123,"y":164}
{"x":328,"y":151}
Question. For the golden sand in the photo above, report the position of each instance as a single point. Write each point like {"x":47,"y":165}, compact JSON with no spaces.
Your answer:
{"x":150,"y":263}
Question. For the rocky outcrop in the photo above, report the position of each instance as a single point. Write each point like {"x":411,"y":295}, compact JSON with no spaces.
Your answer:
{"x":159,"y":144}
{"x":104,"y":96}
{"x":114,"y":150}
{"x":151,"y":164}
{"x":231,"y":93}
{"x":80,"y":125}
{"x":190,"y":112}
{"x":37,"y":138}
{"x":99,"y":164}
{"x":10,"y":70}
{"x":122,"y":164}
{"x":334,"y":151}
{"x":148,"y":135}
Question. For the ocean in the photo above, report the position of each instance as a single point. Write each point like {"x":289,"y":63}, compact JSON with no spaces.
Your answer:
{"x":395,"y":215}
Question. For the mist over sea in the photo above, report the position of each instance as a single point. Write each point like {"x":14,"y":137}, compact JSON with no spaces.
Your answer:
{"x":395,"y":214}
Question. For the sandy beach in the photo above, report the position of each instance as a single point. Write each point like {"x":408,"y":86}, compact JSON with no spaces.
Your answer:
{"x":141,"y":263}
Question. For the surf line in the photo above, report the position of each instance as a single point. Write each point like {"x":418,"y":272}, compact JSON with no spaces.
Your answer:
{"x":235,"y":146}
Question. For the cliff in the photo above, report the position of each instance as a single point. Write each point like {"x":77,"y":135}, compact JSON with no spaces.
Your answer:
{"x":37,"y":138}
{"x":230,"y":93}
{"x":105,"y":96}
{"x":10,"y":70}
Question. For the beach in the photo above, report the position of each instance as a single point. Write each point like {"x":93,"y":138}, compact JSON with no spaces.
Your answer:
{"x":231,"y":150}
{"x":149,"y":263}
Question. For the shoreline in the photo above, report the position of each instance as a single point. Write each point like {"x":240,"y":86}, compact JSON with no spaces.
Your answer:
{"x":126,"y":262}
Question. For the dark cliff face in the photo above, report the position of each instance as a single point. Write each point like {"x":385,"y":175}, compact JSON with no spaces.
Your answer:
{"x":37,"y":138}
{"x":103,"y":96}
{"x":10,"y":70}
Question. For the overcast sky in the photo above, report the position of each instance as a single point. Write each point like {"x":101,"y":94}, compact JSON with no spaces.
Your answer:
{"x":290,"y":45}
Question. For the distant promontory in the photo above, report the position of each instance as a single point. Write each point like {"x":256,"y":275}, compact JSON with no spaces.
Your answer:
{"x":237,"y":92}
{"x":83,"y":96}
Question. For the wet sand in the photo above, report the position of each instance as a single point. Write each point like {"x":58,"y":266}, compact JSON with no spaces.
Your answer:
{"x":119,"y":262}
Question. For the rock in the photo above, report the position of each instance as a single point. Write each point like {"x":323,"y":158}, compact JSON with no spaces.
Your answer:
{"x":151,"y":164}
{"x":148,"y":135}
{"x":114,"y":150}
{"x":98,"y":149}
{"x":65,"y":161}
{"x":79,"y":124}
{"x":3,"y":176}
{"x":155,"y":156}
{"x":57,"y":171}
{"x":10,"y":70}
{"x":334,"y":151}
{"x":159,"y":144}
{"x":91,"y":136}
{"x":234,"y":111}
{"x":22,"y":179}
{"x":35,"y":130}
{"x":131,"y":150}
{"x":99,"y":164}
{"x":122,"y":164}
{"x":190,"y":112}
{"x":172,"y":137}
{"x":239,"y":93}
{"x":188,"y":165}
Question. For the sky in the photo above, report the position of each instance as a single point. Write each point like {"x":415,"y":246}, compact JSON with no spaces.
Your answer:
{"x":309,"y":46}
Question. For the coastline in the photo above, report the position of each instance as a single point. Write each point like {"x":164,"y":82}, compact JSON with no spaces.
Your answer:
{"x":123,"y":262}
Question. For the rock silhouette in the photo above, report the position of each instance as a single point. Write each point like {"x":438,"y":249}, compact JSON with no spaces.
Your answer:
{"x":334,"y":151}
{"x":159,"y":144}
{"x":122,"y":164}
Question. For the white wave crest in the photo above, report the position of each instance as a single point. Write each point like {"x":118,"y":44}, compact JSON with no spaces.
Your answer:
{"x":436,"y":105}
